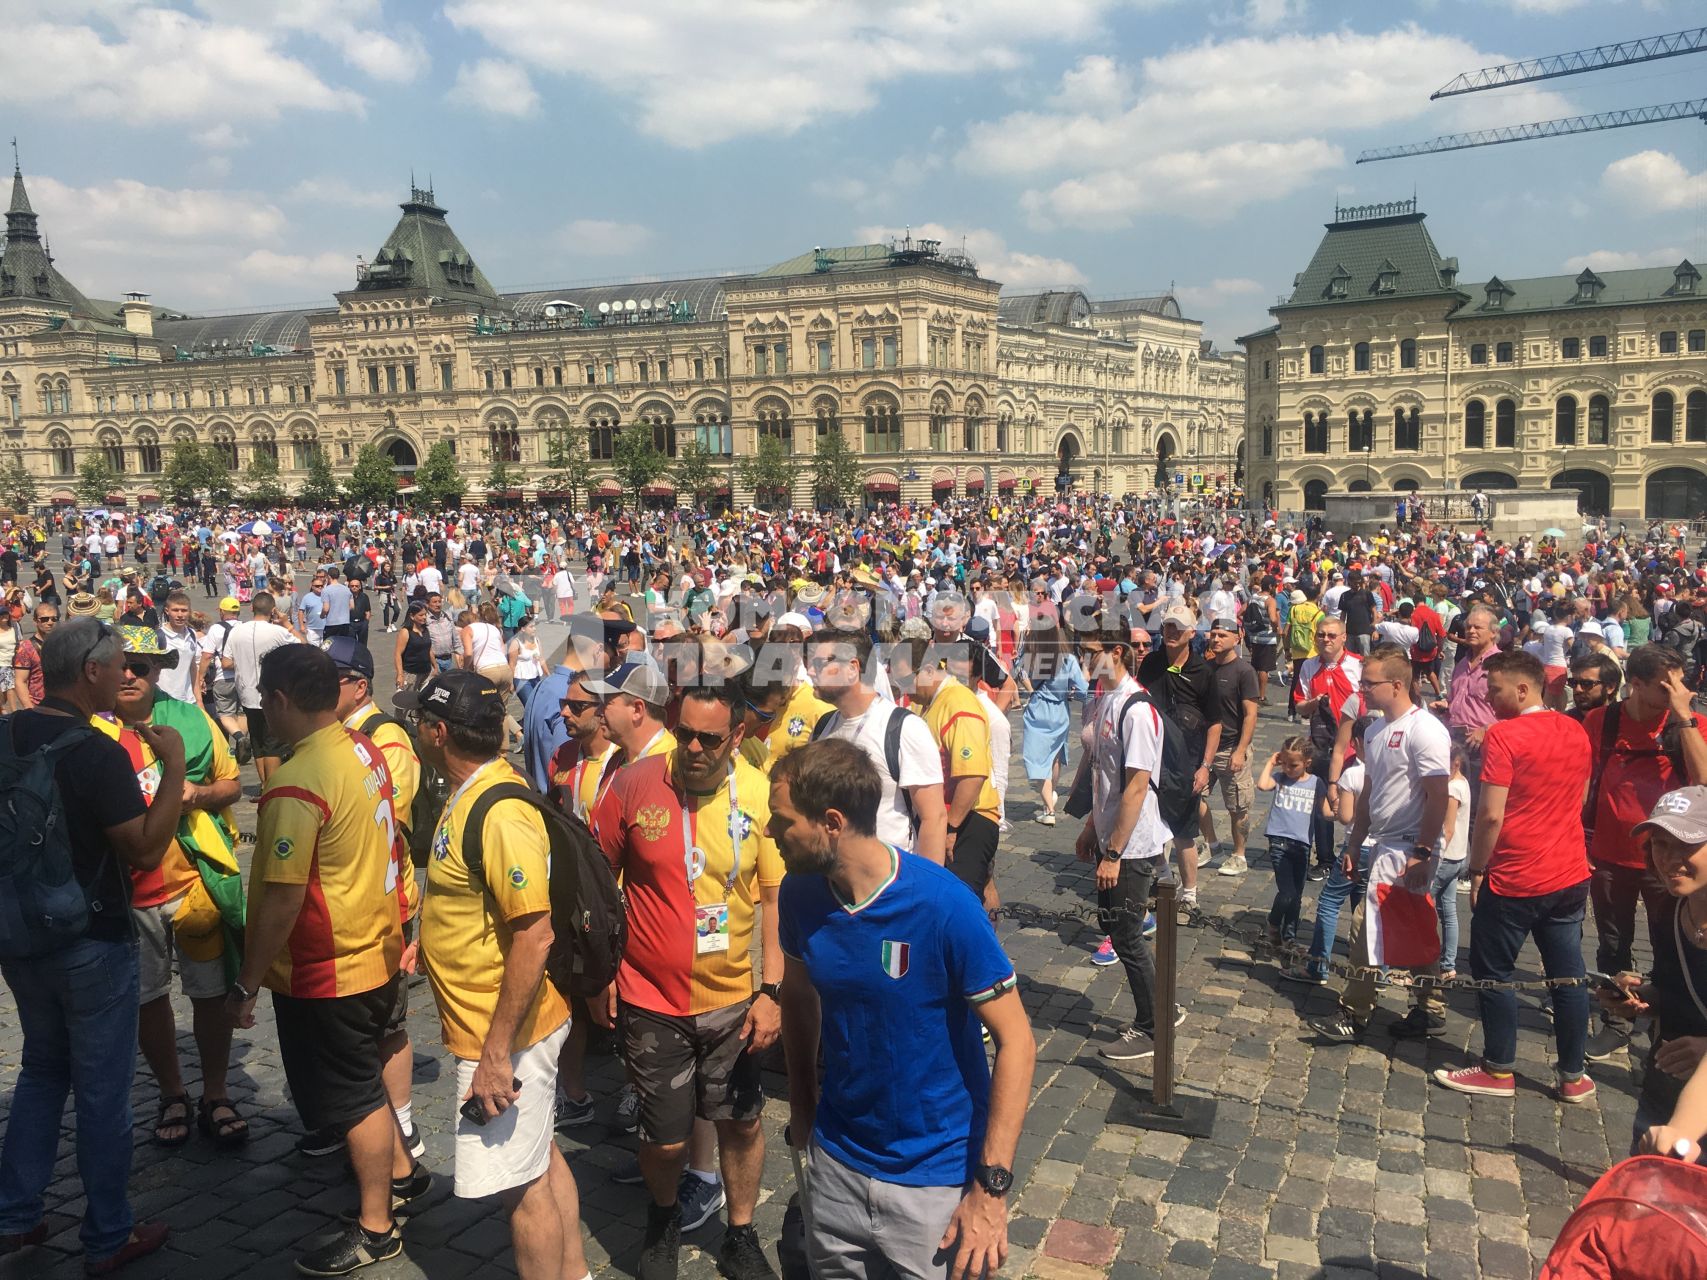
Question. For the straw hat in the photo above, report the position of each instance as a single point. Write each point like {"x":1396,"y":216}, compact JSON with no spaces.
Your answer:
{"x":83,"y":605}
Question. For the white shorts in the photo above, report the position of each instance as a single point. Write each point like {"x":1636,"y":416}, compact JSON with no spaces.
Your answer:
{"x":513,"y":1149}
{"x":158,"y":950}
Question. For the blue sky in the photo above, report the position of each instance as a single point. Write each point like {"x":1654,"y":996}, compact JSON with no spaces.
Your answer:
{"x":222,"y":153}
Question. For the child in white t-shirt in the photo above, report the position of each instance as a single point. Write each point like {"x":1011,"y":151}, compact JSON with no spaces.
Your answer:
{"x":1454,"y":848}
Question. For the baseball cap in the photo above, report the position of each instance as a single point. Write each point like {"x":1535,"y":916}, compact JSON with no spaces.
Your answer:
{"x":795,"y":619}
{"x":1181,"y":615}
{"x":458,"y":697}
{"x":351,"y":655}
{"x":1222,"y":624}
{"x":637,"y":678}
{"x":1683,"y":813}
{"x":1297,"y":597}
{"x":231,"y":604}
{"x":148,"y":642}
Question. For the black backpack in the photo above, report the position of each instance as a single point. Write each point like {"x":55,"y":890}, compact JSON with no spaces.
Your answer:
{"x":589,"y":916}
{"x":43,"y":906}
{"x":430,"y":795}
{"x":891,"y":750}
{"x":1175,"y":799}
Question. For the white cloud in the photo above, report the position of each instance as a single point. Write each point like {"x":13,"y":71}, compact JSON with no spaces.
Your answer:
{"x":302,"y":274}
{"x":603,"y":237}
{"x":152,"y":66}
{"x":340,"y":191}
{"x":497,"y":87}
{"x":797,"y":62}
{"x":1655,"y":181}
{"x":220,"y":137}
{"x":989,"y":250}
{"x":125,"y":212}
{"x":1207,"y":129}
{"x":1217,"y":292}
{"x":358,"y":29}
{"x":1266,"y":15}
{"x":1624,"y":259}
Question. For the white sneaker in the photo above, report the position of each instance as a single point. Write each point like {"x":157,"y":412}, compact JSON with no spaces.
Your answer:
{"x":1046,"y":818}
{"x":1233,"y":867}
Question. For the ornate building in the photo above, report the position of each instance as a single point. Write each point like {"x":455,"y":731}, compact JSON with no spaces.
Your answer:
{"x":1385,"y":372}
{"x":938,"y":383}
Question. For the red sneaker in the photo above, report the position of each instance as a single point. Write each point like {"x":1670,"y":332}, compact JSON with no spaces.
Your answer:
{"x":1579,"y":1090}
{"x":1478,"y":1080}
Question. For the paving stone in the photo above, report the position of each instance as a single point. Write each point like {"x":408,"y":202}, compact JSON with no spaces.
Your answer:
{"x":1082,"y":1242}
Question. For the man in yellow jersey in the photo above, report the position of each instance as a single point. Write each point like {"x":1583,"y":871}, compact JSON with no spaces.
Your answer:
{"x":486,"y":938}
{"x":781,"y":708}
{"x":959,"y":724}
{"x":325,"y":935}
{"x":687,"y":832}
{"x":358,"y":711}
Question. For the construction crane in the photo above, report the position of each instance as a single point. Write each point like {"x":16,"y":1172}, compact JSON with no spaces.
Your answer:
{"x":1563,"y":64}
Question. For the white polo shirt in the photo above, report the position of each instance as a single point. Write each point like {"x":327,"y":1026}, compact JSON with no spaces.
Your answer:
{"x":1398,"y":755}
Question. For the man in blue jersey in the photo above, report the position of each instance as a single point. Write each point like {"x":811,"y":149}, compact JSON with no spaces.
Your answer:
{"x":893,"y":963}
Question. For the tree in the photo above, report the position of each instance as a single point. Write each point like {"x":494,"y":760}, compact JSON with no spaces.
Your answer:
{"x":372,"y":481}
{"x":95,"y":479}
{"x":261,"y":484}
{"x":438,"y":482}
{"x":693,"y":474}
{"x":835,"y":469}
{"x":638,"y":463}
{"x":189,"y":471}
{"x":769,"y":473}
{"x":17,"y":485}
{"x":568,"y":468}
{"x":320,"y":488}
{"x":503,"y":477}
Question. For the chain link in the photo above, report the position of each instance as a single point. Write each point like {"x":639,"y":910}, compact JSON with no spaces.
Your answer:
{"x":1262,"y":946}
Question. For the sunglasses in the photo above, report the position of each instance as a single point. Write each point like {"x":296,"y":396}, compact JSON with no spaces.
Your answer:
{"x":763,"y":716}
{"x":1583,"y":683}
{"x":579,"y":706}
{"x":707,"y":740}
{"x":141,"y":668}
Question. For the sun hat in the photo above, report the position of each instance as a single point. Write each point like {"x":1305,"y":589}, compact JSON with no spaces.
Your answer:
{"x":83,"y":605}
{"x":149,"y":643}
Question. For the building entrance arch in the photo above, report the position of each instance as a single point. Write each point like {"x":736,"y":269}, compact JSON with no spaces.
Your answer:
{"x":1166,"y":448}
{"x":1594,"y":489}
{"x":402,"y":455}
{"x":1067,"y":452}
{"x":1675,"y":493}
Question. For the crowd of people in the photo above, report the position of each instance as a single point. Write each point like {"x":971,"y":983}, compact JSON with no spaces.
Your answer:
{"x":788,"y":735}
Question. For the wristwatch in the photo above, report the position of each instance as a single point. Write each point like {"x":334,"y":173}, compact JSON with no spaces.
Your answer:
{"x":771,"y":989}
{"x":994,"y":1179}
{"x":1422,"y":850}
{"x":243,"y":994}
{"x":1110,"y":854}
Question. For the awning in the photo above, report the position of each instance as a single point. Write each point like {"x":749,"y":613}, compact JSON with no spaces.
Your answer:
{"x":116,"y":500}
{"x":721,"y":487}
{"x":882,"y":486}
{"x":148,"y":497}
{"x":974,"y":484}
{"x":938,"y":486}
{"x":608,"y":489}
{"x":1009,"y":483}
{"x":659,"y":491}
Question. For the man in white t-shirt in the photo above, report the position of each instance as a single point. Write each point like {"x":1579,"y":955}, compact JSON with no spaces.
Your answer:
{"x":247,"y":644}
{"x":1124,"y":834}
{"x":913,"y":814}
{"x":432,"y":579}
{"x":1407,"y":758}
{"x":1331,"y":597}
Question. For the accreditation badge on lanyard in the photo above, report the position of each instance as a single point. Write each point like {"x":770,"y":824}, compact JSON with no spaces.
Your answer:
{"x":711,"y":923}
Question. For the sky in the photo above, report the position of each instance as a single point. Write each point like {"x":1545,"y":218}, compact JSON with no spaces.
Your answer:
{"x":227,"y":154}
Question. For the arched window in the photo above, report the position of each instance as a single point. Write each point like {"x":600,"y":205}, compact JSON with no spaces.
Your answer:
{"x":1408,"y":353}
{"x":882,"y":426}
{"x":113,"y":448}
{"x":264,"y":443}
{"x":1599,"y":420}
{"x":1316,"y":432}
{"x":1662,"y":420}
{"x":602,"y":426}
{"x":1360,"y":357}
{"x":660,"y":428}
{"x":1360,"y":431}
{"x":1407,"y":430}
{"x":826,"y":417}
{"x":64,"y":456}
{"x":1565,"y":421}
{"x":225,"y":446}
{"x":712,"y":432}
{"x":148,"y":452}
{"x":973,"y":435}
{"x":1315,"y":494}
{"x":503,"y":440}
{"x":1695,"y":418}
{"x":1318,"y":360}
{"x":1475,"y":425}
{"x":1004,"y":426}
{"x":939,"y":423}
{"x":1505,"y":424}
{"x":303,"y":447}
{"x":774,"y":422}
{"x":1268,"y":439}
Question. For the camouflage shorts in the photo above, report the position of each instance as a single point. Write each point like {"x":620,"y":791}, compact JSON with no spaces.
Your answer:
{"x":687,"y":1066}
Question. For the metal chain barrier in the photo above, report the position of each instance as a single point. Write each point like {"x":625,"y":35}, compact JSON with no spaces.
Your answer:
{"x":1262,"y":947}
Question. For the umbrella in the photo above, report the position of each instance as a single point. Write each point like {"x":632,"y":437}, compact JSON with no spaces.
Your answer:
{"x":260,"y":528}
{"x":1552,"y":533}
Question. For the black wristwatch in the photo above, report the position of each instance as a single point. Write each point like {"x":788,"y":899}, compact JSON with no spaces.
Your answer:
{"x":995,"y":1180}
{"x":771,"y":989}
{"x":1422,"y":851}
{"x":243,"y":994}
{"x":1110,"y":854}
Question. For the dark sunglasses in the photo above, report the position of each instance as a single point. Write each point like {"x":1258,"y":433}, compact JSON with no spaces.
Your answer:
{"x":579,"y":706}
{"x":1583,"y":683}
{"x":139,"y":667}
{"x":707,"y":740}
{"x":764,"y":717}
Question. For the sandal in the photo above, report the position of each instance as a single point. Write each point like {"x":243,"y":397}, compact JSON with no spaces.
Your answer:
{"x":230,"y":1130}
{"x":163,"y":1120}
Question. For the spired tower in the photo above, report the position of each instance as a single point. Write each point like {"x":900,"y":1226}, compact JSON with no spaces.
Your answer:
{"x":29,"y":282}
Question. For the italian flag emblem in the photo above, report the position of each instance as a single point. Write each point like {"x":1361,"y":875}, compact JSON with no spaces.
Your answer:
{"x":895,"y":959}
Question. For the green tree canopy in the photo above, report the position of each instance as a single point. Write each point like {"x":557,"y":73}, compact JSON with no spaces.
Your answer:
{"x":835,"y":470}
{"x":95,"y":479}
{"x":693,"y":474}
{"x":191,"y":470}
{"x":261,"y":484}
{"x":637,"y":463}
{"x":769,"y":473}
{"x":438,"y":481}
{"x":372,"y":482}
{"x":503,"y":476}
{"x":17,"y":485}
{"x":320,"y":486}
{"x":568,"y":467}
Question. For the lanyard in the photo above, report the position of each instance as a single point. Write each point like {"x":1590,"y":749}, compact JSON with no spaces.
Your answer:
{"x":693,"y":857}
{"x":598,"y":787}
{"x":444,"y":823}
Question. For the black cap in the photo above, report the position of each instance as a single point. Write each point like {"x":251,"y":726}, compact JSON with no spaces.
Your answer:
{"x":616,"y":628}
{"x":351,"y":655}
{"x":459,"y":697}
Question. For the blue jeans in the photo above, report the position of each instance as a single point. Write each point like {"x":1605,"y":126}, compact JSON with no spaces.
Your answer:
{"x":1335,"y":890}
{"x":77,"y":1009}
{"x":1291,"y":861}
{"x":1498,"y":929}
{"x":1445,"y":891}
{"x":524,"y":690}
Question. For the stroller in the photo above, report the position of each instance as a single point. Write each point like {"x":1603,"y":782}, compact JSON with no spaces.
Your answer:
{"x":1645,"y":1219}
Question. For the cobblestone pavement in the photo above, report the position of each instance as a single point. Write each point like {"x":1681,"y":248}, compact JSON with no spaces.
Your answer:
{"x":1324,"y":1161}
